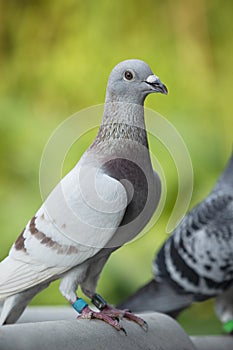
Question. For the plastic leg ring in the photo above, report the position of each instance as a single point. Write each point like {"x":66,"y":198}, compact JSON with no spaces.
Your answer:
{"x":79,"y":305}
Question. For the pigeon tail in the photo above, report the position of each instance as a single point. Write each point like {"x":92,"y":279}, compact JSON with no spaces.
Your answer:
{"x":158,"y":296}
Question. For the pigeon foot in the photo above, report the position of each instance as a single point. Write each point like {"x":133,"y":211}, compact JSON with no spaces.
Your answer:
{"x":119,"y":314}
{"x":87,"y":313}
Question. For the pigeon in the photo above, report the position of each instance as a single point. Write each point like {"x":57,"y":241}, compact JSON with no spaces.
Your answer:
{"x":102,"y":203}
{"x":196,"y":262}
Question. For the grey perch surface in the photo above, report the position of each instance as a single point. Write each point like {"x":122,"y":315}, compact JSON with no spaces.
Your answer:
{"x":57,"y":328}
{"x":213,"y":342}
{"x":163,"y":334}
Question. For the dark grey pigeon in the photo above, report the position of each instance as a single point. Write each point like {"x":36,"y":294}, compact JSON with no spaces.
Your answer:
{"x":196,"y":262}
{"x":102,"y":203}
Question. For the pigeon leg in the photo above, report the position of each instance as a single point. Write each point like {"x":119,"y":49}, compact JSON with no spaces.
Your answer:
{"x":107,"y":314}
{"x":114,"y":313}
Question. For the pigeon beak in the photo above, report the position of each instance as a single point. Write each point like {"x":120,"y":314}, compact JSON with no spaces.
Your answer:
{"x":156,"y":84}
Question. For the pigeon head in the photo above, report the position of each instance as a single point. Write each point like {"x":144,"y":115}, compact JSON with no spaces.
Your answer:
{"x":131,"y":81}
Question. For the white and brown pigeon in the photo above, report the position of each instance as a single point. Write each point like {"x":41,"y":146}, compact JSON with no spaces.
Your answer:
{"x":102,"y":203}
{"x":196,"y":262}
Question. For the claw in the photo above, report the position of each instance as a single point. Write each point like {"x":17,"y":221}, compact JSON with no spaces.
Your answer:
{"x":87,"y":313}
{"x":120,"y":314}
{"x":124,"y":331}
{"x":130,"y":316}
{"x":111,"y":316}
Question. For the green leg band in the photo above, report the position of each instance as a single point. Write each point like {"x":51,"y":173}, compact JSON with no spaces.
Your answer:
{"x":228,"y":326}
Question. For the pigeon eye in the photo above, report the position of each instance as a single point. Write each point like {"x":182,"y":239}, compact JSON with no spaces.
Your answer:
{"x":128,"y":75}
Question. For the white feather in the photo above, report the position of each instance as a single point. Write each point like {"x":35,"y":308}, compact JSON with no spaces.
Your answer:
{"x":74,"y":215}
{"x":17,"y":276}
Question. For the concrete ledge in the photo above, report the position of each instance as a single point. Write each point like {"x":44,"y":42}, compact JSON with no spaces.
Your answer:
{"x":57,"y":328}
{"x":164,"y":334}
{"x":224,"y":342}
{"x":48,"y":313}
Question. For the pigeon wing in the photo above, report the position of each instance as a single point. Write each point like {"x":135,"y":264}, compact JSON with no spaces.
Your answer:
{"x":198,"y":256}
{"x":73,"y":224}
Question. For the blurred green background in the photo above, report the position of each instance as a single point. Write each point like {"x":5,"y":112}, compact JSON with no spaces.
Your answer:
{"x":55,"y":58}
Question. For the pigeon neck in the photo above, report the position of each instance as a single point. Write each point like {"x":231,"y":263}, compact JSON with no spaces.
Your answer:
{"x":122,"y":121}
{"x":126,"y":98}
{"x":128,"y":113}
